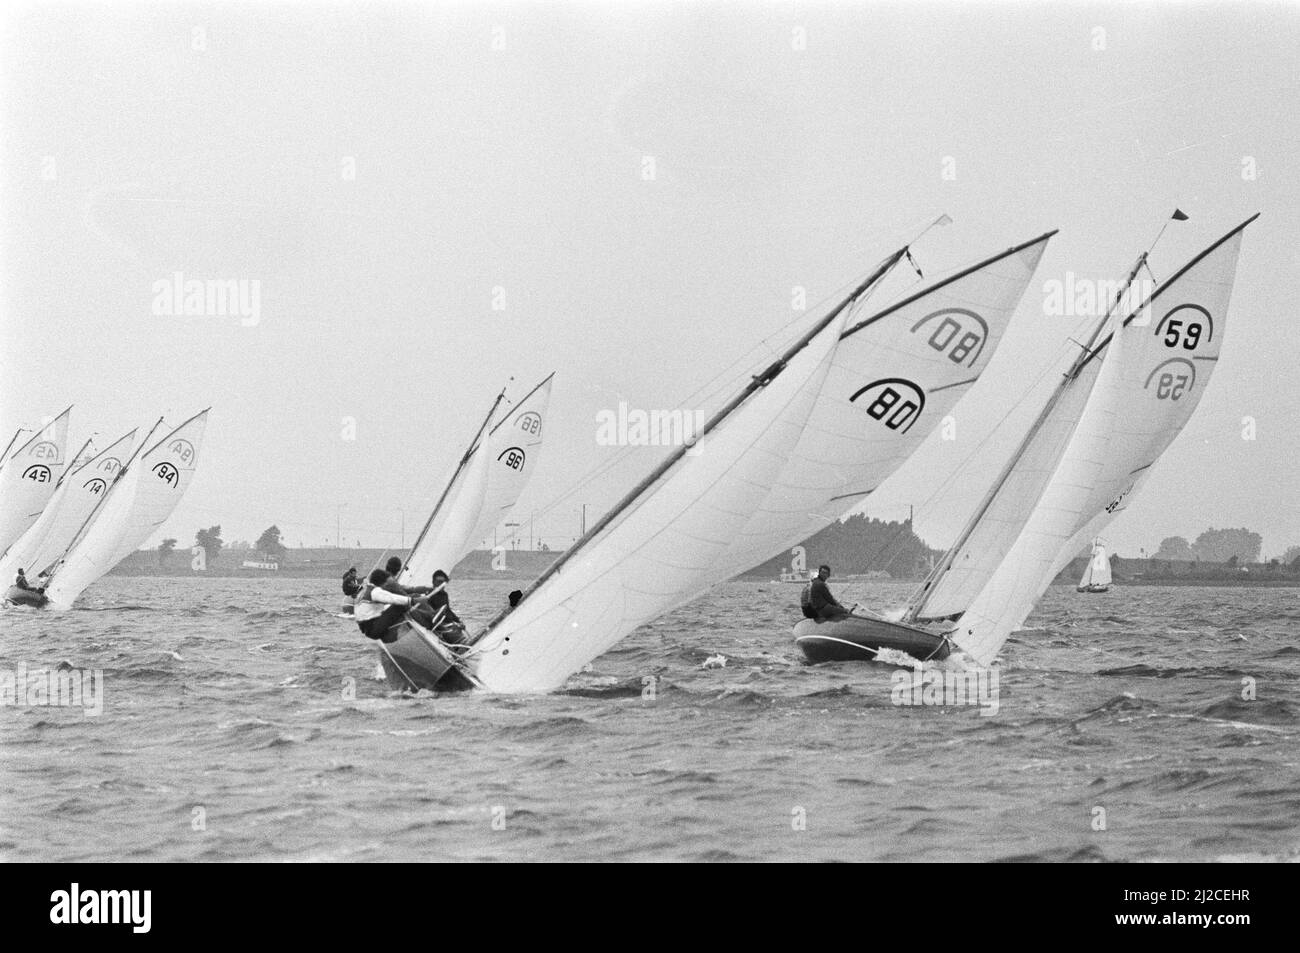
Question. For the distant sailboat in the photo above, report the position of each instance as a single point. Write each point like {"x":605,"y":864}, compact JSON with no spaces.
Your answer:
{"x":1096,"y":575}
{"x":136,"y":502}
{"x":79,"y":491}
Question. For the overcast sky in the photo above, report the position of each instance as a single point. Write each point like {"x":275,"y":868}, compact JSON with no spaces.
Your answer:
{"x":433,"y":200}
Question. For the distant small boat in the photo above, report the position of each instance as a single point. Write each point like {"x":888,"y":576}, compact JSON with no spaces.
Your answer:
{"x":795,"y":576}
{"x":1096,"y":577}
{"x":857,"y":638}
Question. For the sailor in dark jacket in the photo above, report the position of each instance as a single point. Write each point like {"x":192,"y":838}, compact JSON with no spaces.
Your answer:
{"x":817,"y":601}
{"x":351,"y":584}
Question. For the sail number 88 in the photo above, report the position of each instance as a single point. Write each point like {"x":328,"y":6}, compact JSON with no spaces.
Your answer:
{"x":940,"y":340}
{"x":1190,"y":335}
{"x":886,"y":408}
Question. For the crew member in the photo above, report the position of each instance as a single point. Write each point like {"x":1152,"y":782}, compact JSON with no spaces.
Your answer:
{"x":377,"y":609}
{"x":351,"y":584}
{"x":817,"y":601}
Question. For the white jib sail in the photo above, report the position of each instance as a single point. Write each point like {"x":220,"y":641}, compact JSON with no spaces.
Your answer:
{"x":139,"y":502}
{"x":663,"y":550}
{"x":1149,"y":370}
{"x":78,"y":493}
{"x":28,"y":478}
{"x":485,"y":489}
{"x":894,"y":377}
{"x":978,"y":557}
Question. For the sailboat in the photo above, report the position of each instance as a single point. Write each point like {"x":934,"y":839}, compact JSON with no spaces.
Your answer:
{"x":689,"y":524}
{"x":482,"y":489}
{"x":29,"y":476}
{"x":1096,"y":575}
{"x":75,"y":497}
{"x":138,"y":499}
{"x":1117,"y":406}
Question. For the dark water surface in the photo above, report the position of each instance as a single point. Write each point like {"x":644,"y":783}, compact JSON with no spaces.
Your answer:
{"x":227,"y":708}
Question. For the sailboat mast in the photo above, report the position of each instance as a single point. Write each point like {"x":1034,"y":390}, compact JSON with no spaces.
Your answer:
{"x":68,"y":469}
{"x":469,"y":452}
{"x":104,"y":499}
{"x":13,"y":440}
{"x":756,"y":383}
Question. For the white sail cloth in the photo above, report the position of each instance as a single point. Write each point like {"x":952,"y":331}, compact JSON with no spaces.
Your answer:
{"x":1155,"y":369}
{"x":485,"y":490}
{"x":28,"y":478}
{"x":892,"y":380}
{"x":78,"y":493}
{"x":137,"y":503}
{"x":664,"y":549}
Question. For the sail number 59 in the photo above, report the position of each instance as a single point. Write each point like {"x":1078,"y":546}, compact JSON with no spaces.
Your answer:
{"x":1190,"y":335}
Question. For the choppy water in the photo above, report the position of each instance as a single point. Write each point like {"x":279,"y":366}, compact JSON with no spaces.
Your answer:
{"x":231,"y":700}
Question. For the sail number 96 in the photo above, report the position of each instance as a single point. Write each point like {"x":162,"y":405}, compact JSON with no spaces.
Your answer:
{"x":1189,"y":335}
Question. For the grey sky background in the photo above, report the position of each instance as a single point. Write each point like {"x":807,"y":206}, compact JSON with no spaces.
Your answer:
{"x":500,"y":154}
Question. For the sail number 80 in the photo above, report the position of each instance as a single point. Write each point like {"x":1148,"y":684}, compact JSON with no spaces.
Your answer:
{"x":1190,"y":335}
{"x":943,"y":336}
{"x":886,"y":408}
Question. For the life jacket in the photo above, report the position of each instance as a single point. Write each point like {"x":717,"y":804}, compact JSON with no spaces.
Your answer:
{"x":805,"y":602}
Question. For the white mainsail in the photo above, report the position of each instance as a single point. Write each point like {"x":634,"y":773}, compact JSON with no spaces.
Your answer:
{"x":29,"y":476}
{"x":894,"y":377}
{"x":145,"y":492}
{"x":1097,"y":573}
{"x":660,"y":546}
{"x":1150,"y":370}
{"x":484,"y":486}
{"x":80,"y":489}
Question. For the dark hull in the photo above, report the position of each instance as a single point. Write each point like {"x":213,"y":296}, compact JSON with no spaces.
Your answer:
{"x":859,"y":639}
{"x":25,"y":597}
{"x":1091,"y":588}
{"x":416,"y":660}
